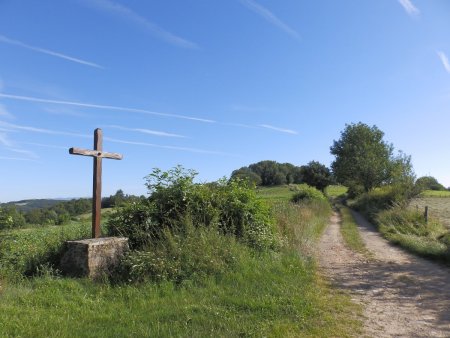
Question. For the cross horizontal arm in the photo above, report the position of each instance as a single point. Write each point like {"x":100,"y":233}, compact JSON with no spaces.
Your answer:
{"x":95,"y":153}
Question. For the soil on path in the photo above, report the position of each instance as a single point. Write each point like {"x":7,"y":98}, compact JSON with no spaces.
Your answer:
{"x":402,"y":295}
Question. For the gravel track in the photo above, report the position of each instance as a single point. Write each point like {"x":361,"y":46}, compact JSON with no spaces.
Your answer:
{"x":402,"y":295}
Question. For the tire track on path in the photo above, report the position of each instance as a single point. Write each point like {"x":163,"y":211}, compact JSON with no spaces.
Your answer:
{"x":402,"y":295}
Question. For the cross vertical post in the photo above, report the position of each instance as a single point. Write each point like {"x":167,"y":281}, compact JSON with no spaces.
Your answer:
{"x":97,"y":184}
{"x":97,"y":154}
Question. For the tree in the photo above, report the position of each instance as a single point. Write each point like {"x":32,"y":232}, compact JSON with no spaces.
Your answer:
{"x":428,"y":183}
{"x":246,"y":174}
{"x":363,"y":158}
{"x":316,"y":175}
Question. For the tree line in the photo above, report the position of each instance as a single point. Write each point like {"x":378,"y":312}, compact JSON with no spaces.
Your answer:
{"x":60,"y":213}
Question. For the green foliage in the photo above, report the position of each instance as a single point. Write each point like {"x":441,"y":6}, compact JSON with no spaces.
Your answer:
{"x":246,"y":174}
{"x":10,"y":217}
{"x":316,"y":175}
{"x":269,"y":173}
{"x":176,"y":201}
{"x":307,"y":193}
{"x":24,"y":252}
{"x":365,"y":161}
{"x":380,"y":199}
{"x":429,"y":183}
{"x":335,"y":190}
{"x":409,"y":229}
{"x":350,"y":232}
{"x":198,"y":253}
{"x":244,"y":292}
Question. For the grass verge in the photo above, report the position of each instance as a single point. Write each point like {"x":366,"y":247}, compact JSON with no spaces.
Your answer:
{"x":277,"y":294}
{"x":350,"y":232}
{"x":408,"y":229}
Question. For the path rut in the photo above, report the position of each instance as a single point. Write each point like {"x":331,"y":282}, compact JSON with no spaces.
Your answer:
{"x":402,"y":295}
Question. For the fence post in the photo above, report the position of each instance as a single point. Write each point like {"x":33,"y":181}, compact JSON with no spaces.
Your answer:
{"x":426,"y":214}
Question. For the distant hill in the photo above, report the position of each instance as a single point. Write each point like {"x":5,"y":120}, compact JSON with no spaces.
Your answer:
{"x":27,"y":205}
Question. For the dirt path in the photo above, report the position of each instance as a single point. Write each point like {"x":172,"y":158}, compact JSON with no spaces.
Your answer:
{"x":402,"y":295}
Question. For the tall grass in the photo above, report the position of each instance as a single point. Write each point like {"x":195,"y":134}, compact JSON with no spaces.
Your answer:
{"x":255,"y":293}
{"x":350,"y":232}
{"x":408,"y":229}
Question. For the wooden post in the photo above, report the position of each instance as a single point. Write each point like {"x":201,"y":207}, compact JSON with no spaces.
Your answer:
{"x":97,"y":186}
{"x":426,"y":214}
{"x":97,"y":154}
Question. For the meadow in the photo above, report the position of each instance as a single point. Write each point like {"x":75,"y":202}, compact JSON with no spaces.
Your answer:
{"x":277,"y":293}
{"x":438,"y":205}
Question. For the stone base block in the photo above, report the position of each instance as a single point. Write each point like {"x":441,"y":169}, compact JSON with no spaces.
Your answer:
{"x":93,"y":257}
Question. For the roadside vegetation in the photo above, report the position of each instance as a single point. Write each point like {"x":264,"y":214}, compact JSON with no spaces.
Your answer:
{"x":207,"y":260}
{"x":350,"y":232}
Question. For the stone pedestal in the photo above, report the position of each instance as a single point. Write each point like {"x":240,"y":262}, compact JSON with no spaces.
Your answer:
{"x":93,"y":257}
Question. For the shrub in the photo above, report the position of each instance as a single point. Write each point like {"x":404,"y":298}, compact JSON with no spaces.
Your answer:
{"x":307,"y":193}
{"x":176,"y":200}
{"x":198,"y":253}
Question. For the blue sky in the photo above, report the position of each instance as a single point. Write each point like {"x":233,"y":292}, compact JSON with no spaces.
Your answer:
{"x":213,"y":86}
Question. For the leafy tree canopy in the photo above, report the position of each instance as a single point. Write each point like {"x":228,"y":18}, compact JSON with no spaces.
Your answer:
{"x":269,"y":173}
{"x":316,"y":175}
{"x":365,"y":161}
{"x":428,"y":183}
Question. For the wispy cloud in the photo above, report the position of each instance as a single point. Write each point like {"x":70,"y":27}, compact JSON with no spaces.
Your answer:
{"x":28,"y":153}
{"x":4,"y":112}
{"x":147,"y":131}
{"x":281,"y":130}
{"x":15,"y":159}
{"x":41,"y":130}
{"x":99,"y":106}
{"x":4,"y":39}
{"x":444,"y":60}
{"x":10,"y":146}
{"x":409,"y":7}
{"x":270,"y":17}
{"x":186,"y":149}
{"x":57,"y":132}
{"x":137,"y":19}
{"x":5,"y":141}
{"x":45,"y":145}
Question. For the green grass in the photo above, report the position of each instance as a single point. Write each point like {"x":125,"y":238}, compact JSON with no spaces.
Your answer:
{"x":408,"y":229}
{"x":277,"y":193}
{"x":350,"y":232}
{"x":274,"y":294}
{"x":438,"y":208}
{"x":335,"y":190}
{"x":435,"y":193}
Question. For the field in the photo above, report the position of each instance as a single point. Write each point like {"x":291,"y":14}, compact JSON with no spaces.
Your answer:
{"x":266,"y":294}
{"x":438,"y":207}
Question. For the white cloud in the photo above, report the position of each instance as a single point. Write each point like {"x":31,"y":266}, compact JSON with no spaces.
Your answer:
{"x":444,"y":59}
{"x":147,"y":131}
{"x":133,"y":17}
{"x":4,"y":112}
{"x":15,"y":158}
{"x":4,"y":140}
{"x":98,"y":106}
{"x":4,"y":39}
{"x":28,"y":153}
{"x":191,"y":150}
{"x":409,"y":7}
{"x":270,"y":17}
{"x":281,"y":130}
{"x":41,"y":130}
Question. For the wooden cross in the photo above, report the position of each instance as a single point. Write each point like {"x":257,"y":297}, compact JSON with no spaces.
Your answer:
{"x":97,"y":154}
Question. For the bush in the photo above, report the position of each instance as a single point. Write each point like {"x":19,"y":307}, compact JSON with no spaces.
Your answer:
{"x":175,"y":201}
{"x":409,"y":229}
{"x":199,"y":253}
{"x":379,"y":199}
{"x":307,"y":193}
